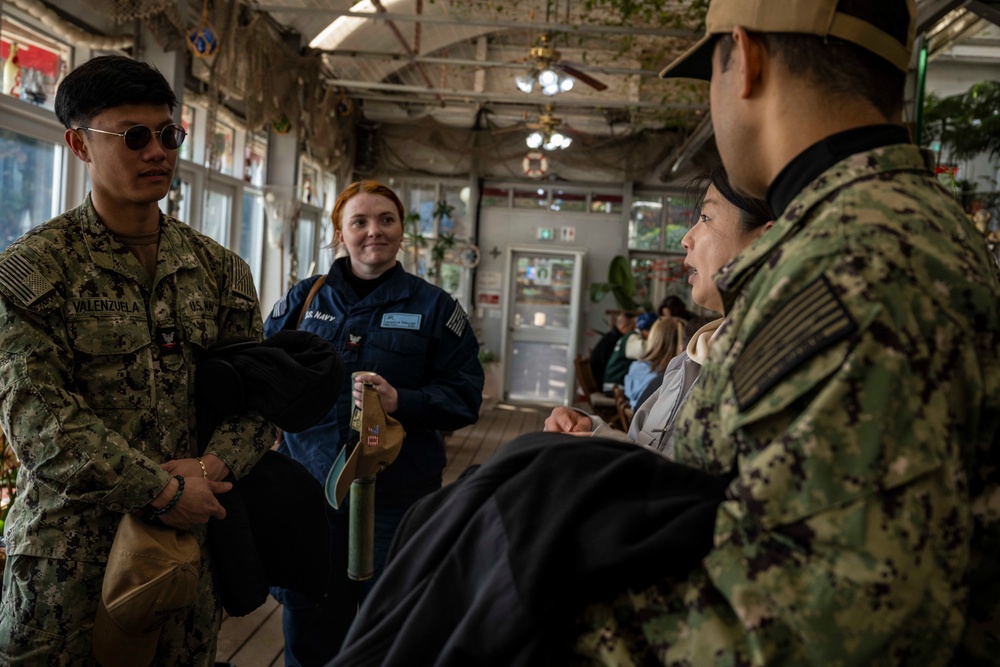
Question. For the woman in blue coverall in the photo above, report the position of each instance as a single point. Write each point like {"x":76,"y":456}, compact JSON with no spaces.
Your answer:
{"x":417,"y":342}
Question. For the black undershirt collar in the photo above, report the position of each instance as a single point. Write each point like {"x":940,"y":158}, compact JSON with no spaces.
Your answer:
{"x":813,"y":161}
{"x":361,"y":286}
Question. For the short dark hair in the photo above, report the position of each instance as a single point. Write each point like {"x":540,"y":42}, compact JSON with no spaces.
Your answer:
{"x":675,"y":305}
{"x":107,"y":82}
{"x":754,"y":213}
{"x":841,"y":68}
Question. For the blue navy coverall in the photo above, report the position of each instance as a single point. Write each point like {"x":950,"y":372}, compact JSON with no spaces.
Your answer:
{"x":417,"y":337}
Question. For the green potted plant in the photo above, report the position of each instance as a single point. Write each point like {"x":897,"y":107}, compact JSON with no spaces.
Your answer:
{"x":620,"y":284}
{"x":444,"y":242}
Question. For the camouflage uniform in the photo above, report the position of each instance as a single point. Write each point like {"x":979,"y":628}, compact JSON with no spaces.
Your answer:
{"x":97,"y":390}
{"x":855,"y":389}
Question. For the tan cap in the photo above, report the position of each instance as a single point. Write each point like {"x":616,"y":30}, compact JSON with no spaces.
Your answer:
{"x":807,"y":17}
{"x":381,"y":438}
{"x":152,"y":572}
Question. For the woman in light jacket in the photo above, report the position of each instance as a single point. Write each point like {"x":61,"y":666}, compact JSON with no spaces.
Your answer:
{"x":726,"y":223}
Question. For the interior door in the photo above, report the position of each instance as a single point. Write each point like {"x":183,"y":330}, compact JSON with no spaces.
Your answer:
{"x":543,"y":297}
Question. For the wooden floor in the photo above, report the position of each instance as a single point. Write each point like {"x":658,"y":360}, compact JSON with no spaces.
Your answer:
{"x":255,"y":640}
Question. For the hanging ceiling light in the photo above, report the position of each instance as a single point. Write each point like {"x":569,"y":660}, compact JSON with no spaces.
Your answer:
{"x":548,"y":136}
{"x":545,"y":71}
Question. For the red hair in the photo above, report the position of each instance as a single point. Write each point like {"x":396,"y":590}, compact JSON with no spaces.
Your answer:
{"x":356,"y":188}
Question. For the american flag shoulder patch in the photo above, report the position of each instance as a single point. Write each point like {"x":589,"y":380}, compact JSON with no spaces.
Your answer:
{"x":242,"y":280}
{"x":22,"y":282}
{"x":811,"y":321}
{"x":458,"y":320}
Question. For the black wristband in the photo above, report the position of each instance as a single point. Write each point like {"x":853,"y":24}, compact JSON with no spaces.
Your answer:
{"x":173,"y":501}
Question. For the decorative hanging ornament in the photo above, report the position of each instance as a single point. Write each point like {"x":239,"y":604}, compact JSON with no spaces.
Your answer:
{"x":202,"y":40}
{"x":282,"y":124}
{"x":535,"y":164}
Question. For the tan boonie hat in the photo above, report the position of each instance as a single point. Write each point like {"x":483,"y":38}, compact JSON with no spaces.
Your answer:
{"x":808,"y":17}
{"x":152,"y":572}
{"x":380,"y":439}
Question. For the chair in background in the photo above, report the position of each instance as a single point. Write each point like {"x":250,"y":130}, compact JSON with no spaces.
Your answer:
{"x":600,"y":403}
{"x":623,"y":408}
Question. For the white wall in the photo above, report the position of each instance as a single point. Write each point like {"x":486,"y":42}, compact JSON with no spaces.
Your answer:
{"x":604,"y":236}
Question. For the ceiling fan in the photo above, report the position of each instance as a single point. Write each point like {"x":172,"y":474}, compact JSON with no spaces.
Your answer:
{"x":551,"y":73}
{"x":545,"y":133}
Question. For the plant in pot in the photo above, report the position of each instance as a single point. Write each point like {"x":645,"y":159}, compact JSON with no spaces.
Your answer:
{"x":444,"y":242}
{"x":416,"y":240}
{"x":620,"y":284}
{"x":491,"y":371}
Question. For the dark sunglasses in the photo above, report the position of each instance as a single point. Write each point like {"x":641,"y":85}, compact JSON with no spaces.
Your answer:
{"x":138,"y":137}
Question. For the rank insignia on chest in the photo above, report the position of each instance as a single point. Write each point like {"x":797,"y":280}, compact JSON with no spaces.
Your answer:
{"x":354,"y":340}
{"x":168,"y":340}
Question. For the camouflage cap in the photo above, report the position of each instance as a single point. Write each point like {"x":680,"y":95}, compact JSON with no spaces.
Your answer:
{"x":861,"y":23}
{"x":380,"y":439}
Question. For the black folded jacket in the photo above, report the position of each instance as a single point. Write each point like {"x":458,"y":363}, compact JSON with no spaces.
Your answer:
{"x":275,"y":532}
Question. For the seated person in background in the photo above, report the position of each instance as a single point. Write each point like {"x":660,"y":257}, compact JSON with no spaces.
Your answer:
{"x":624,"y":323}
{"x":690,"y":329}
{"x":664,"y":343}
{"x":674,"y":306}
{"x":726,"y":224}
{"x":628,"y":348}
{"x":635,"y":346}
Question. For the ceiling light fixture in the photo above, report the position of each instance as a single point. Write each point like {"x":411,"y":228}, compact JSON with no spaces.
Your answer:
{"x":544,"y":71}
{"x":548,"y":136}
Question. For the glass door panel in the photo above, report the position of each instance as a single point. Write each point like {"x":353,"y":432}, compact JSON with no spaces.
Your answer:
{"x":542,"y":317}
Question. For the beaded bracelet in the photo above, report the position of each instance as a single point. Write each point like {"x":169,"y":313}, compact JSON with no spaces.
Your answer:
{"x":177,"y":496}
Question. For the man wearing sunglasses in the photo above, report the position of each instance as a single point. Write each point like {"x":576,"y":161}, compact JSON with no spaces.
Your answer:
{"x":104,"y":312}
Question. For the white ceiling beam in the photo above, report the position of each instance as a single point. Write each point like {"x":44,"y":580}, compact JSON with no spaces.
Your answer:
{"x":582,"y":28}
{"x":596,"y":103}
{"x":470,"y":62}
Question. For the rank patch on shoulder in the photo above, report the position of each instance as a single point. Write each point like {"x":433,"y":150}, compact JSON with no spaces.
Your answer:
{"x":813,"y":320}
{"x":168,"y":340}
{"x":280,"y":307}
{"x":22,"y":282}
{"x":456,"y":323}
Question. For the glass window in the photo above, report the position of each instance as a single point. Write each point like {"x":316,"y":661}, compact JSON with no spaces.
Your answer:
{"x":659,"y":222}
{"x":304,"y":245}
{"x":252,"y":232}
{"x":606,"y":203}
{"x":456,"y":223}
{"x":535,"y":198}
{"x":308,"y":182}
{"x":254,"y":157}
{"x":38,"y":63}
{"x":30,"y":184}
{"x":496,"y":197}
{"x":422,"y":201}
{"x":645,"y":225}
{"x":656,"y":276}
{"x":187,"y":122}
{"x":177,"y":203}
{"x":568,"y":201}
{"x":326,"y":249}
{"x":679,"y":216}
{"x":220,"y":149}
{"x":215,"y":223}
